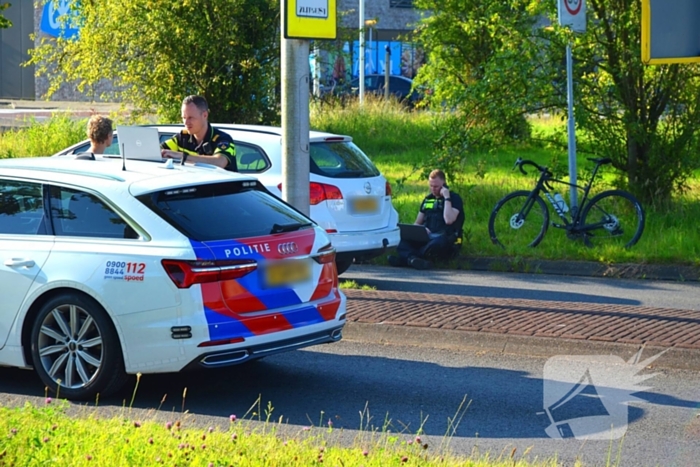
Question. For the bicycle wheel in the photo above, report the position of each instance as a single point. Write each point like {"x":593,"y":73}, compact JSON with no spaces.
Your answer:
{"x":518,"y":221}
{"x":613,"y":217}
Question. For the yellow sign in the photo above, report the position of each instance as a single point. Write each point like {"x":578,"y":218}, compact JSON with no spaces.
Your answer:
{"x":310,"y":19}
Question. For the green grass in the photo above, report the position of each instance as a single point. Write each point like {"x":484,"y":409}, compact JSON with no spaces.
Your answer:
{"x":48,"y":435}
{"x":670,"y":235}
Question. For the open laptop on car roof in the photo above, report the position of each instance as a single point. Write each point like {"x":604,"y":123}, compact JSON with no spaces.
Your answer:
{"x":139,"y":142}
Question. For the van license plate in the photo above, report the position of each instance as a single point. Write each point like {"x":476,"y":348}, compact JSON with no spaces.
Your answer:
{"x":364,"y":205}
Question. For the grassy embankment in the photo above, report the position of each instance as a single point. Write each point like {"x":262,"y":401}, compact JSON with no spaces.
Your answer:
{"x":400,"y":142}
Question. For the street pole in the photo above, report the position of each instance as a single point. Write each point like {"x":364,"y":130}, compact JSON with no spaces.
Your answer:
{"x":573,"y":192}
{"x":295,"y":123}
{"x":387,"y":72}
{"x":362,"y":52}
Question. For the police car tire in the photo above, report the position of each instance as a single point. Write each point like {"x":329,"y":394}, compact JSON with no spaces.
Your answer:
{"x":94,"y":347}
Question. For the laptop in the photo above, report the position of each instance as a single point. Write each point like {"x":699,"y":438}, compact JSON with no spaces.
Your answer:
{"x":139,"y":142}
{"x":414,"y":233}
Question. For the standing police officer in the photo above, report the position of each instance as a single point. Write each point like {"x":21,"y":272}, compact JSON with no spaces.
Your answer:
{"x":199,"y":141}
{"x":442,"y":214}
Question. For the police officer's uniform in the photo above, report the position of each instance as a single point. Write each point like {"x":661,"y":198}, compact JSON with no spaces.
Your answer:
{"x":443,"y":237}
{"x":216,"y":142}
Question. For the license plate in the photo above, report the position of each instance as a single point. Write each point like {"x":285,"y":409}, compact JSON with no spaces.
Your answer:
{"x":287,"y":272}
{"x":365,"y":205}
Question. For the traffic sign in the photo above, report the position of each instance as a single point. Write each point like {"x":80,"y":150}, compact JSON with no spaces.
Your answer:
{"x":670,"y":31}
{"x":310,"y":19}
{"x":573,"y":13}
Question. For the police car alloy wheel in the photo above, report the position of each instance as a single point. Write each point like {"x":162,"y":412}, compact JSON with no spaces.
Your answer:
{"x":75,"y":349}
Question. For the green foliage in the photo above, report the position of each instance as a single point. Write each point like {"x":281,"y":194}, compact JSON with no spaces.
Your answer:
{"x":492,"y":62}
{"x":643,"y":117}
{"x":4,"y":22}
{"x":158,"y":52}
{"x":481,"y":53}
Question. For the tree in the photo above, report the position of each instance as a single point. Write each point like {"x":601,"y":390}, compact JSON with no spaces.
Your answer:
{"x":156,"y":52}
{"x":496,"y":61}
{"x":4,"y":22}
{"x":482,"y":65}
{"x":643,"y":117}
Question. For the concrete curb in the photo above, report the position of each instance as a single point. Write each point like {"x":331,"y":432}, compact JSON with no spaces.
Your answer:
{"x":667,"y":272}
{"x":509,"y":344}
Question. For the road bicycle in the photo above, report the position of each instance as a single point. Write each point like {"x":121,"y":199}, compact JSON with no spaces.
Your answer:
{"x":521,"y":218}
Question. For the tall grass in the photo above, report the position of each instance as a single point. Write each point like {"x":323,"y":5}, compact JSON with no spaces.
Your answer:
{"x":38,"y":436}
{"x":400,"y":143}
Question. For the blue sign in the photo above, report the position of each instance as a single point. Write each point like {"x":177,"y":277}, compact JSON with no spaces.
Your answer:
{"x":55,"y":19}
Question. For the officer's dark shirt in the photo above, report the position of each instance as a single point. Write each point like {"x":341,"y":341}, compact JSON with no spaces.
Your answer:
{"x":433,"y":207}
{"x":216,"y":142}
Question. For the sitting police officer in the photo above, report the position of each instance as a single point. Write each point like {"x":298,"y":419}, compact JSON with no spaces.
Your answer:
{"x":442,"y":214}
{"x":199,"y":141}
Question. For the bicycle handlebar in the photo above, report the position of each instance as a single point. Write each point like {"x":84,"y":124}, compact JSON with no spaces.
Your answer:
{"x":520,"y":162}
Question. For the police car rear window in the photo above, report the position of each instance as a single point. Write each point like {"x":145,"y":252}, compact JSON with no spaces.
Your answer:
{"x":340,"y":160}
{"x":223,"y":211}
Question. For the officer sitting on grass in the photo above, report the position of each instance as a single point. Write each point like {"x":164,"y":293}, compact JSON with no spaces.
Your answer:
{"x":442,"y":214}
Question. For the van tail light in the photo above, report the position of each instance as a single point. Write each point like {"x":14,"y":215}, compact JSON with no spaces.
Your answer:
{"x":325,"y":255}
{"x":321,"y":192}
{"x":387,"y":189}
{"x":186,"y":273}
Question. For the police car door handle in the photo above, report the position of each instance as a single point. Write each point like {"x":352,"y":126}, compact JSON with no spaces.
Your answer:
{"x":20,"y":263}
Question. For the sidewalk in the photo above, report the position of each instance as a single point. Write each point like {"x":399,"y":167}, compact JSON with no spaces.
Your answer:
{"x":521,"y":326}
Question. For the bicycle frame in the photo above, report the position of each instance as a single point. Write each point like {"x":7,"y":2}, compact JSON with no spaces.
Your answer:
{"x":543,"y":186}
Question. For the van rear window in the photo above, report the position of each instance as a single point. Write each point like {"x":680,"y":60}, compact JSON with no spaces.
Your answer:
{"x":341,"y":160}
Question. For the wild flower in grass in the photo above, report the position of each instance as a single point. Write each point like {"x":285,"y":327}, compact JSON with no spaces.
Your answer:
{"x":168,"y":425}
{"x":88,"y":457}
{"x":306,"y":428}
{"x":150,"y":440}
{"x":204,"y":437}
{"x":137,"y":424}
{"x":234,"y":437}
{"x":232,"y":417}
{"x":53,"y":427}
{"x":204,"y":446}
{"x":211,"y":429}
{"x":181,"y":446}
{"x":46,"y":439}
{"x":48,"y":400}
{"x":404,"y":459}
{"x":365,"y":453}
{"x":418,"y":440}
{"x":159,"y":460}
{"x":330,"y":423}
{"x":13,"y":431}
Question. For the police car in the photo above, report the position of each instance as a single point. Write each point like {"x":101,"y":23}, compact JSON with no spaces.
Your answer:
{"x":350,"y":198}
{"x":113,"y":267}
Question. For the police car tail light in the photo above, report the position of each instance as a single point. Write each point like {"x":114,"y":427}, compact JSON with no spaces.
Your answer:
{"x":387,"y":189}
{"x":325,"y":255}
{"x":321,"y":192}
{"x":186,"y":273}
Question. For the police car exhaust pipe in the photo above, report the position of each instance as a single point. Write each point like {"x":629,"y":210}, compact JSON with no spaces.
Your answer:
{"x":337,"y":334}
{"x":223,"y":359}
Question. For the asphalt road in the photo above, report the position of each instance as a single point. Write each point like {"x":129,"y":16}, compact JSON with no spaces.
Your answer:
{"x":361,"y":387}
{"x":663,"y":294}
